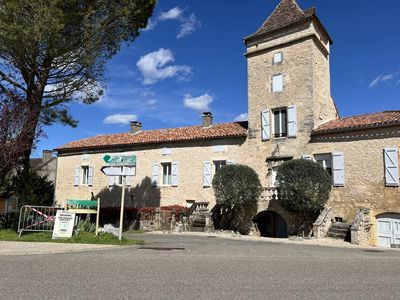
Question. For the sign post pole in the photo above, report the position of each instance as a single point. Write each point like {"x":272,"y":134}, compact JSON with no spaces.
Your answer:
{"x":121,"y":217}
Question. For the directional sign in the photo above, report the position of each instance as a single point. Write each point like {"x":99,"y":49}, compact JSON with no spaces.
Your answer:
{"x":119,"y":171}
{"x":120,"y":160}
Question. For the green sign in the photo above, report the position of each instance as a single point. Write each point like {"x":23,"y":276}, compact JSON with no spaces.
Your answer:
{"x":120,"y":160}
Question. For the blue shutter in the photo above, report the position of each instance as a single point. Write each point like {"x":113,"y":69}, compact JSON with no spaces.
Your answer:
{"x":207,"y":174}
{"x":292,"y":121}
{"x":174,"y":174}
{"x":90,"y":177}
{"x":265,"y":126}
{"x":154,"y":176}
{"x":77,"y":176}
{"x":391,"y":166}
{"x":338,"y":168}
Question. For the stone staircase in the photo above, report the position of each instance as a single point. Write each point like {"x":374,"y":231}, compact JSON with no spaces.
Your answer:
{"x":339,"y":230}
{"x":197,"y":216}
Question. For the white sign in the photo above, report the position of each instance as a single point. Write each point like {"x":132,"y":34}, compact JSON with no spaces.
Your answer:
{"x":64,"y":224}
{"x":119,"y":171}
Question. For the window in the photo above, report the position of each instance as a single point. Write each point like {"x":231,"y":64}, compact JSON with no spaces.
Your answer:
{"x":219,"y":164}
{"x":277,"y":83}
{"x":12,"y":204}
{"x":277,"y":59}
{"x":274,"y":172}
{"x":325,"y":160}
{"x":85,"y":175}
{"x":167,"y":167}
{"x":280,"y":122}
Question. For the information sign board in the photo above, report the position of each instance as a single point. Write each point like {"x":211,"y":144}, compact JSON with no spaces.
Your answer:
{"x":63,"y":225}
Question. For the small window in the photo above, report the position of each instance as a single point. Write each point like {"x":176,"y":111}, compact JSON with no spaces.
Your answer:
{"x":167,"y":167}
{"x":12,"y":204}
{"x":277,"y":83}
{"x":280,"y":122}
{"x":219,"y":164}
{"x":85,"y":175}
{"x":277,"y":59}
{"x":325,"y":160}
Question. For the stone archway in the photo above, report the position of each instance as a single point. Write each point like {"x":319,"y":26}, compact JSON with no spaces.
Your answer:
{"x":271,"y":224}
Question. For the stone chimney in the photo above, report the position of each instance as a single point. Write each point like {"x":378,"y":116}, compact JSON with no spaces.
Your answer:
{"x":47,"y":155}
{"x":136,"y":127}
{"x":207,"y":119}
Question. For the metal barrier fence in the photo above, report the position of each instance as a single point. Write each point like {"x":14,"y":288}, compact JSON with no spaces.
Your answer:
{"x":37,"y":218}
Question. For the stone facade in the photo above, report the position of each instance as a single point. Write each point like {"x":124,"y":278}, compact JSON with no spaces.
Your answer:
{"x":305,"y":67}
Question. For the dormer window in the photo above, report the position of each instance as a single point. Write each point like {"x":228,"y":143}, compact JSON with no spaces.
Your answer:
{"x":277,"y":83}
{"x":277,"y":59}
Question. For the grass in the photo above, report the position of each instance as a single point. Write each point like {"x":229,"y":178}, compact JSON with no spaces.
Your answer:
{"x":80,"y":238}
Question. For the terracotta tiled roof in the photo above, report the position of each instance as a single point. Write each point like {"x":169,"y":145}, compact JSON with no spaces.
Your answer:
{"x":287,"y":13}
{"x":193,"y":133}
{"x":381,"y":119}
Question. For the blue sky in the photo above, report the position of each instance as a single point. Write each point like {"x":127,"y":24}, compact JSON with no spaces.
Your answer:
{"x":191,"y":59}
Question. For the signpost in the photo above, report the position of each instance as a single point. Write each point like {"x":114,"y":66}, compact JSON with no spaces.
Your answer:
{"x":120,"y":166}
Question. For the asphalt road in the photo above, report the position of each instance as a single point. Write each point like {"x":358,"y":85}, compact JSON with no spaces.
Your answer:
{"x":208,"y":268}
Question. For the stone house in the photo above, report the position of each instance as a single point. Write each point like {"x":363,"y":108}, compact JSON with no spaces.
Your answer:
{"x":291,"y":115}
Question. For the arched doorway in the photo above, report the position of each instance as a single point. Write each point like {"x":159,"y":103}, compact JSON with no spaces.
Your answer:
{"x":271,"y":224}
{"x":388,"y":230}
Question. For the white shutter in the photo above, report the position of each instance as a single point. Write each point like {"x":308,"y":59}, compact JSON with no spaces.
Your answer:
{"x":129,"y":178}
{"x":77,"y":175}
{"x":265,"y":126}
{"x":174,"y":174}
{"x":207,"y":174}
{"x":391,"y":166}
{"x":277,"y":83}
{"x":111,"y":180}
{"x":230,"y":162}
{"x":292,"y":121}
{"x":307,"y":156}
{"x":154,"y":175}
{"x":128,"y":181}
{"x":338,"y":168}
{"x":90,"y":177}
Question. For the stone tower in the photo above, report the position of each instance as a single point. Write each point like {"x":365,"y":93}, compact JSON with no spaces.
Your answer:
{"x":288,"y":83}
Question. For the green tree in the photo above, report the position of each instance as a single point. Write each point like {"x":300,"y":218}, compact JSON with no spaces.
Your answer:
{"x":237,"y":189}
{"x":54,"y":52}
{"x":303,"y":188}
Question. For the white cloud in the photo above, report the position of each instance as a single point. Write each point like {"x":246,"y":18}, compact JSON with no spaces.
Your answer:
{"x":384,"y":78}
{"x":241,"y":117}
{"x":200,"y":103}
{"x":173,"y":14}
{"x":150,"y":25}
{"x":188,"y":26}
{"x":151,"y":102}
{"x":120,"y":119}
{"x":153,"y":67}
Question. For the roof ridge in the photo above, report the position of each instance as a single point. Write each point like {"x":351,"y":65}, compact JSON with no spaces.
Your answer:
{"x":367,"y":114}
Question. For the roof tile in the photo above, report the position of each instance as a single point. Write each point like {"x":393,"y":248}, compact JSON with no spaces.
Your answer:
{"x":193,"y":133}
{"x":386,"y":118}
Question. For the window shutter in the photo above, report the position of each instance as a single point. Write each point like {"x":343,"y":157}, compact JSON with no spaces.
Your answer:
{"x":391,"y":166}
{"x":230,"y":162}
{"x":129,"y":178}
{"x":111,"y":180}
{"x":154,"y":176}
{"x":292,"y":121}
{"x":265,"y":126}
{"x":90,"y":177}
{"x":338,"y":168}
{"x":207,"y":174}
{"x":277,"y":83}
{"x":307,"y":156}
{"x":76,"y":176}
{"x":174,"y":174}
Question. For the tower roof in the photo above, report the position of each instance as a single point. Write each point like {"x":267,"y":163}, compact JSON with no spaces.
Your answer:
{"x":286,"y":14}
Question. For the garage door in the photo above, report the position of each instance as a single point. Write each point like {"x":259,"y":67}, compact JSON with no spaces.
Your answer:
{"x":389,"y":230}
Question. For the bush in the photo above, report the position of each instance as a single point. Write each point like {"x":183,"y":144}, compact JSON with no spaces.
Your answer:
{"x":237,"y":189}
{"x":303,"y":188}
{"x":87,"y":226}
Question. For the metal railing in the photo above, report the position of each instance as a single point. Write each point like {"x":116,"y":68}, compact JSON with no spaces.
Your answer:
{"x":37,"y":218}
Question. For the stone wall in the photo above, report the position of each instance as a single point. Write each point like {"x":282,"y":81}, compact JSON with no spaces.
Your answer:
{"x":190,"y":158}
